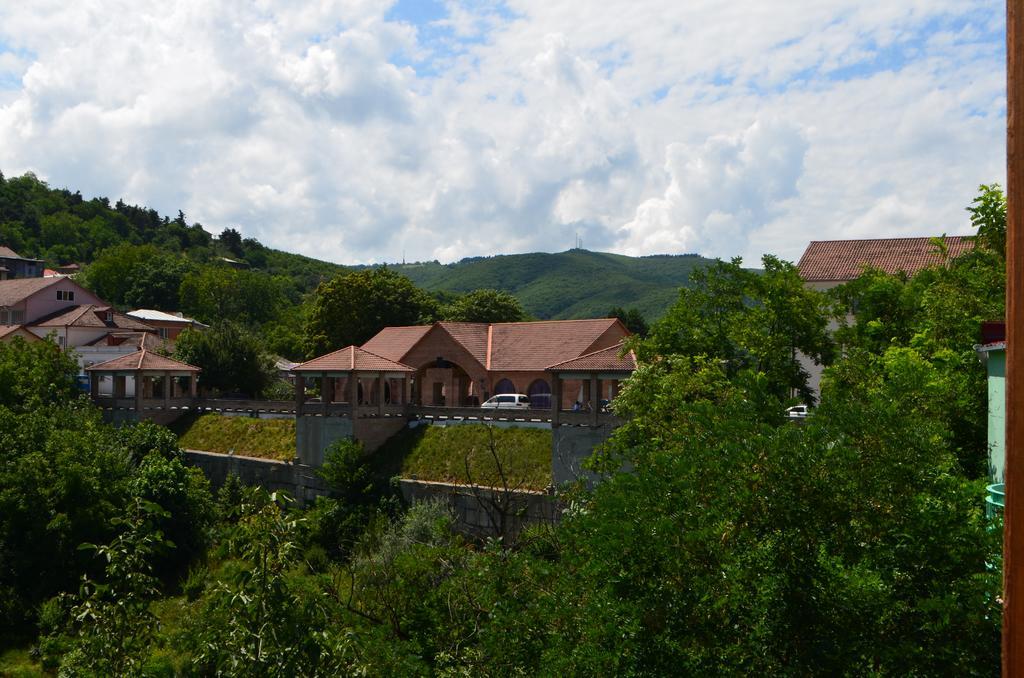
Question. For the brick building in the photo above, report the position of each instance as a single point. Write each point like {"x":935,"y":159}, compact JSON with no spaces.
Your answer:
{"x":462,"y":364}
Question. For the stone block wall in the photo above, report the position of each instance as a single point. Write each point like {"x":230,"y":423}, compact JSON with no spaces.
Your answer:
{"x":298,"y":480}
{"x":483,"y":511}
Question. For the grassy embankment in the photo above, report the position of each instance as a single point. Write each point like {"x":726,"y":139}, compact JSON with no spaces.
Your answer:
{"x":264,"y":438}
{"x":456,"y":454}
{"x":462,"y":454}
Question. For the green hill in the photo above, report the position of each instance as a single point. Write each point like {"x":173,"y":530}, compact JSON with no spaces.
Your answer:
{"x":62,"y":227}
{"x":573,"y":284}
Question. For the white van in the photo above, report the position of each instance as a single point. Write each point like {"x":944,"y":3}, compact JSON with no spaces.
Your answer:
{"x":507,"y":401}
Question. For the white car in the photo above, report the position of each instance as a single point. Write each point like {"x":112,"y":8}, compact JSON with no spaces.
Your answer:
{"x":798,"y":412}
{"x":507,"y":401}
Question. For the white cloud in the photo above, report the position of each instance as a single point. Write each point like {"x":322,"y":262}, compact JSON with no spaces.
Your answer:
{"x":719,"y":192}
{"x":339,"y":130}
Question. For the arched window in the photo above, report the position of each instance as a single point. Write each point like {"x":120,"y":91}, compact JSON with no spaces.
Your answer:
{"x":540,"y":394}
{"x":504,"y":386}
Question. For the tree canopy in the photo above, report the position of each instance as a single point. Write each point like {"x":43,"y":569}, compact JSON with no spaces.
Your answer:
{"x":351,"y":308}
{"x":485,"y":306}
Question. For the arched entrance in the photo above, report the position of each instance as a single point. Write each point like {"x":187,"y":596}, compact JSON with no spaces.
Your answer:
{"x":540,"y":394}
{"x":442,"y":383}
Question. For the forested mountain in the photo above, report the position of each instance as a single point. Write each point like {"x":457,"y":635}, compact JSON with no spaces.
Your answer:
{"x":63,"y":227}
{"x":572,"y":284}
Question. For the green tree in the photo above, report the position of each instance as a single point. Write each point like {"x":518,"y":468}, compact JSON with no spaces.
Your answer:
{"x":848,"y":544}
{"x":34,"y":375}
{"x":485,"y":306}
{"x":111,"y":622}
{"x":220,"y":293}
{"x":231,"y":358}
{"x":351,"y":308}
{"x":232,"y":241}
{"x":633,"y":319}
{"x":113,"y":272}
{"x":748,"y":321}
{"x":988,"y":216}
{"x":184,"y":494}
{"x":259,"y":622}
{"x":156,"y":284}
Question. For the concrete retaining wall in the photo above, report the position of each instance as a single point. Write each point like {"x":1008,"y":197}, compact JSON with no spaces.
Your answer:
{"x":314,"y":434}
{"x":483,"y":511}
{"x":298,"y":480}
{"x":570,"y":445}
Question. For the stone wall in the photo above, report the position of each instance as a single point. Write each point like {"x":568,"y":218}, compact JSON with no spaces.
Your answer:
{"x":484,"y":511}
{"x":298,"y":480}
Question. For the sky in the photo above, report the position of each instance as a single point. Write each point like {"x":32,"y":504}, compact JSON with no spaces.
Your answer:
{"x":360,"y":131}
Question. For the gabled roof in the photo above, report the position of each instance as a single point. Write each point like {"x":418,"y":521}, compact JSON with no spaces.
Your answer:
{"x":394,"y":342}
{"x":532,"y":346}
{"x":154,"y":315}
{"x":146,"y":340}
{"x":91,"y":315}
{"x":8,"y":330}
{"x":145,"y":361}
{"x":8,"y":253}
{"x":352,"y":359}
{"x":471,"y":336}
{"x":842,"y":260}
{"x":514,"y":347}
{"x":17,"y":290}
{"x":609,"y":359}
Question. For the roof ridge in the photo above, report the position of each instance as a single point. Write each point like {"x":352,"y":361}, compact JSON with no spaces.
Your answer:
{"x":553,"y":320}
{"x":908,"y":237}
{"x":487,"y":350}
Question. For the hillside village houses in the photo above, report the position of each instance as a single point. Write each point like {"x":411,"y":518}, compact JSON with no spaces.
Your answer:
{"x":34,"y":306}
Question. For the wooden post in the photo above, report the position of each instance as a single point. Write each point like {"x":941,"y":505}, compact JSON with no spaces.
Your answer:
{"x":353,"y":394}
{"x":300,"y":394}
{"x":140,"y":382}
{"x":192,"y":385}
{"x":595,"y":400}
{"x":1013,"y":518}
{"x":324,"y":400}
{"x":556,"y":398}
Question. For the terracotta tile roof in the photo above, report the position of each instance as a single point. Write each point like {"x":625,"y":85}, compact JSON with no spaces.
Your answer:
{"x":605,"y":360}
{"x":394,"y":343}
{"x":471,"y":336}
{"x":15,"y":291}
{"x":840,"y":260}
{"x":532,"y":346}
{"x":90,"y":315}
{"x":526,"y":346}
{"x":146,"y":340}
{"x":7,"y":330}
{"x":352,"y":358}
{"x":144,"y":360}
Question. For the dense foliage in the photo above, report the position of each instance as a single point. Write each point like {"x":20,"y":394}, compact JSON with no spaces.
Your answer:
{"x":351,"y":308}
{"x":748,"y":321}
{"x":722,"y":538}
{"x":485,"y":306}
{"x":64,"y":478}
{"x":231,"y":358}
